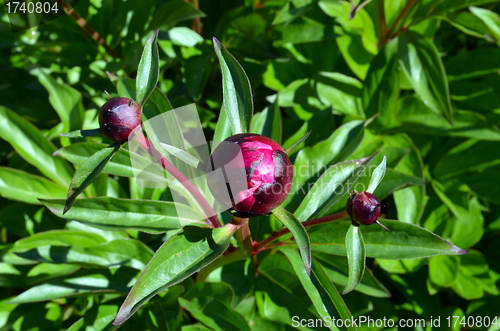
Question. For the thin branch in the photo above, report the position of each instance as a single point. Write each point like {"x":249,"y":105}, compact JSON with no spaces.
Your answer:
{"x":275,"y":235}
{"x":177,"y":174}
{"x":83,"y":24}
{"x":400,"y":16}
{"x":382,"y":25}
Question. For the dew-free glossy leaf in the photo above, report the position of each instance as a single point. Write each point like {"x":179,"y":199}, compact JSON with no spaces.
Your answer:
{"x":377,"y":176}
{"x":356,"y":257}
{"x":323,"y":294}
{"x":422,"y":65}
{"x":237,"y":93}
{"x":99,"y":318}
{"x":148,"y":71}
{"x":337,"y":269}
{"x":443,"y":270}
{"x":88,"y":172}
{"x":222,"y":129}
{"x":22,"y":186}
{"x":31,"y":144}
{"x":299,"y":234}
{"x":330,"y":187}
{"x":404,"y":241}
{"x":81,"y":133}
{"x":83,"y":282}
{"x":179,"y":257}
{"x":119,"y":214}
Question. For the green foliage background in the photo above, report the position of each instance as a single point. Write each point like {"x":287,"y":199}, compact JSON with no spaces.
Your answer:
{"x":429,"y":70}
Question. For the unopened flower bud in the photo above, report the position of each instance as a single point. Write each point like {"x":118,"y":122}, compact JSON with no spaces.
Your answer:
{"x":249,"y":174}
{"x":118,"y":117}
{"x":363,"y":208}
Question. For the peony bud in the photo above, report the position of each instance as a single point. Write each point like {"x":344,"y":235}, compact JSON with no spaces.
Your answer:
{"x":363,"y":208}
{"x":249,"y":174}
{"x":118,"y":117}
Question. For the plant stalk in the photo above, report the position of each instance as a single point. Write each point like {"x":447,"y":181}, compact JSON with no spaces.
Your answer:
{"x":275,"y":235}
{"x":401,"y":15}
{"x":171,"y":169}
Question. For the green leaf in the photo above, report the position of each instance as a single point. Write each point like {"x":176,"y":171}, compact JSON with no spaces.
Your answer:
{"x":356,"y":256}
{"x":470,"y":24}
{"x":119,"y":165}
{"x":148,"y":71}
{"x":210,"y":303}
{"x":237,"y":92}
{"x":299,"y":234}
{"x":120,"y":214}
{"x":81,"y":133}
{"x":88,"y":172}
{"x":323,"y":294}
{"x":422,"y":65}
{"x":22,"y":186}
{"x":443,"y":270}
{"x":268,"y":122}
{"x":489,"y":18}
{"x":222,"y":129}
{"x":172,"y":12}
{"x":98,"y":318}
{"x":30,"y":143}
{"x":377,"y":176}
{"x":337,"y":269}
{"x":66,"y":101}
{"x":83,"y":282}
{"x":181,"y":154}
{"x":405,"y":241}
{"x":297,"y":143}
{"x":126,"y":252}
{"x":59,"y":238}
{"x":179,"y":257}
{"x":473,"y":64}
{"x":311,"y":162}
{"x":330,"y":187}
{"x":341,"y":92}
{"x":380,"y":91}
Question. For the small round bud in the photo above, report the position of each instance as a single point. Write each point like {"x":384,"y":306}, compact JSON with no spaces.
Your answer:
{"x":249,"y":174}
{"x":118,"y":117}
{"x":363,"y":207}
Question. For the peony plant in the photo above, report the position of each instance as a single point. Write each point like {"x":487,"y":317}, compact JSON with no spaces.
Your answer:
{"x":257,"y":177}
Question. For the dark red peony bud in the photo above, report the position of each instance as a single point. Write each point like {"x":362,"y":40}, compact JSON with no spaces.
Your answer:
{"x":363,"y":208}
{"x":249,"y":174}
{"x":118,"y":118}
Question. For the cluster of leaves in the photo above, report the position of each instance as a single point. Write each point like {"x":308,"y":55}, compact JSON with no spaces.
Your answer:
{"x":427,"y":69}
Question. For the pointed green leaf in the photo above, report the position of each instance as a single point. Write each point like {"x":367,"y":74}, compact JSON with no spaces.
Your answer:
{"x":181,"y":154}
{"x":356,"y":256}
{"x":377,"y":176}
{"x":88,"y":172}
{"x":179,"y":257}
{"x":422,"y":65}
{"x":32,"y":145}
{"x":323,"y":294}
{"x":83,"y":282}
{"x":222,"y":129}
{"x":22,"y":186}
{"x":330,"y":187}
{"x":119,"y":214}
{"x":299,"y":234}
{"x":66,"y":101}
{"x":148,"y":71}
{"x":237,"y":92}
{"x":119,"y":165}
{"x":404,"y":241}
{"x":81,"y":133}
{"x":297,"y":143}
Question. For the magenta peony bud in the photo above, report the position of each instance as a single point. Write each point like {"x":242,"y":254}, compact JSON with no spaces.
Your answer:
{"x":249,"y":174}
{"x":118,"y":117}
{"x":363,"y":208}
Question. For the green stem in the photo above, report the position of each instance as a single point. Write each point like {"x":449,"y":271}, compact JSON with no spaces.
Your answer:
{"x":275,"y":235}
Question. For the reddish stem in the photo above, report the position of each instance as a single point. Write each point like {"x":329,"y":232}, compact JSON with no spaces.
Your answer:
{"x":257,"y":247}
{"x":177,"y":174}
